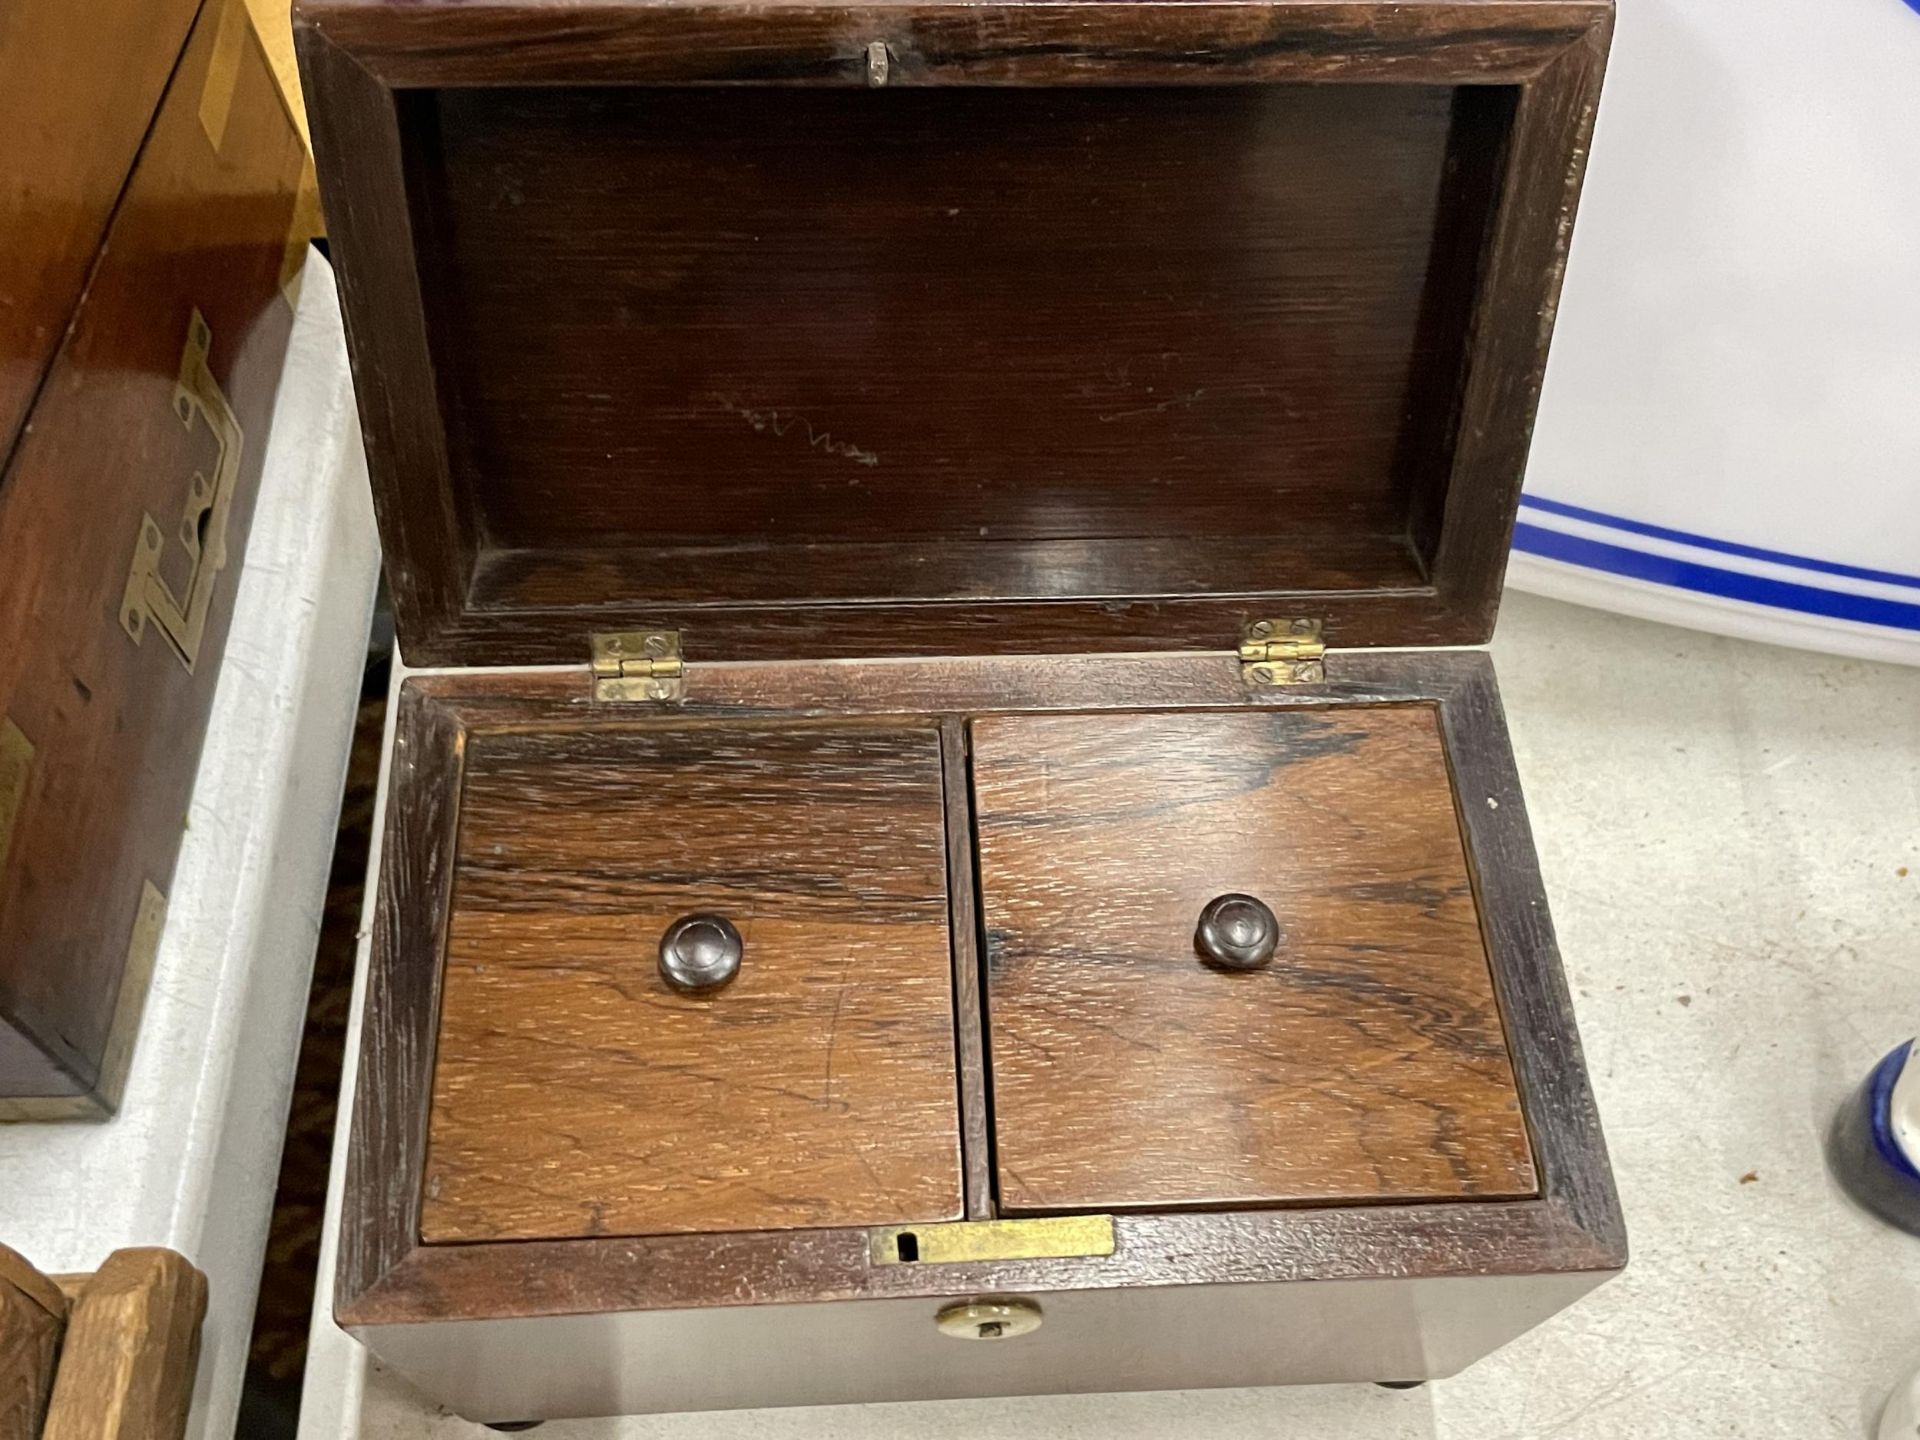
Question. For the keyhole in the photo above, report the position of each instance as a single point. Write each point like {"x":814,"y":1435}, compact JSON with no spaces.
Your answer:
{"x":992,"y":1329}
{"x":193,"y":526}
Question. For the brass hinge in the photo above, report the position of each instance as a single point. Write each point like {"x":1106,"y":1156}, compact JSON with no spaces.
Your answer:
{"x":1283,"y":652}
{"x":638,"y":665}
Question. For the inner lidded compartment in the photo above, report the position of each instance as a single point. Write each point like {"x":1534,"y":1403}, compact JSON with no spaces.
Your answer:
{"x":1365,"y":1061}
{"x":577,"y":1093}
{"x":705,"y":348}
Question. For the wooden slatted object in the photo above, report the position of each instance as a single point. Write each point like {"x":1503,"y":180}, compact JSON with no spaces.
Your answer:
{"x":131,"y":1352}
{"x":33,"y":1317}
{"x":106,"y":1356}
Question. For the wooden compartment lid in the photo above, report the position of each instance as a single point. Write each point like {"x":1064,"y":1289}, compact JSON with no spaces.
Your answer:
{"x":578,"y":1092}
{"x":831,"y":330}
{"x":1366,"y":1061}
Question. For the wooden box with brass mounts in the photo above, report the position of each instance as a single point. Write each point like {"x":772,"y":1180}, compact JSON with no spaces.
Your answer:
{"x":947,"y":807}
{"x":144,"y":316}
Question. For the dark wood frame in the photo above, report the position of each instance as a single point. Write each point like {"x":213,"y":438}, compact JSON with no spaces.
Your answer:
{"x":360,"y":56}
{"x":386,"y":1277}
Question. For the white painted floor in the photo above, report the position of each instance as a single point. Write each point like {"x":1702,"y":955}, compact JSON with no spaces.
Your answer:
{"x":1723,"y":828}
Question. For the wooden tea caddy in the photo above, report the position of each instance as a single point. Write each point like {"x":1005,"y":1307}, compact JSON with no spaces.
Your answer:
{"x":953,"y":491}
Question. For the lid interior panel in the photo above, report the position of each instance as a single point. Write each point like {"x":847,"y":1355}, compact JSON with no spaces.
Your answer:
{"x":713,"y":347}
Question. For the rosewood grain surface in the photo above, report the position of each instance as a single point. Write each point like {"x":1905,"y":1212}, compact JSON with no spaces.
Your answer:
{"x":428,"y":544}
{"x":1371,"y":558}
{"x":387,"y":1278}
{"x":116,"y":724}
{"x":386,"y":1152}
{"x":78,"y":88}
{"x":1514,"y":308}
{"x":1041,"y":324}
{"x":1056,"y":44}
{"x":537,"y":1278}
{"x":1475,"y":170}
{"x":1366,"y":1062}
{"x":1531,"y":981}
{"x":1325,"y":306}
{"x":576,"y":1094}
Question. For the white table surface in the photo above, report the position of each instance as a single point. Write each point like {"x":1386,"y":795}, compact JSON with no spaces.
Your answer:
{"x":192,"y":1159}
{"x":1721,"y":826}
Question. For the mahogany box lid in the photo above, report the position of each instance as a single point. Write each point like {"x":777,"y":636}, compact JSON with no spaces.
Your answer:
{"x":818,"y":330}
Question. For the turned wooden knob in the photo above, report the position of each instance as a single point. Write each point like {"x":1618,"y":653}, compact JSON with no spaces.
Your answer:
{"x":1237,"y":932}
{"x":700,"y":952}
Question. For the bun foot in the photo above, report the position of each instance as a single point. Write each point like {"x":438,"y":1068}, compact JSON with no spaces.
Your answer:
{"x":1399,"y":1384}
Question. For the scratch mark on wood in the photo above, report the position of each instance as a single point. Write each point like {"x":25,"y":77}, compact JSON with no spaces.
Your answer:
{"x":782,"y":423}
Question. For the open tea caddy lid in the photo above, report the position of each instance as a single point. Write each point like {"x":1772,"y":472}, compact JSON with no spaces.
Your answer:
{"x":886,"y":334}
{"x":1078,"y":339}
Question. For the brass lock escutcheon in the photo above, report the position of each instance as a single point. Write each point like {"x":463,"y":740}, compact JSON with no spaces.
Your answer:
{"x":954,"y":1242}
{"x":176,"y":594}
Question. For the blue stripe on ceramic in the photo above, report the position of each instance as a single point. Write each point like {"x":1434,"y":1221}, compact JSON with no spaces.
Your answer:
{"x":1880,"y":1101}
{"x":1863,"y":1153}
{"x":1712,"y":580}
{"x":1707,"y":542}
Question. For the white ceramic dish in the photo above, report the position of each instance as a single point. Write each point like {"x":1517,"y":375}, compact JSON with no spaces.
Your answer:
{"x":1730,"y":433}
